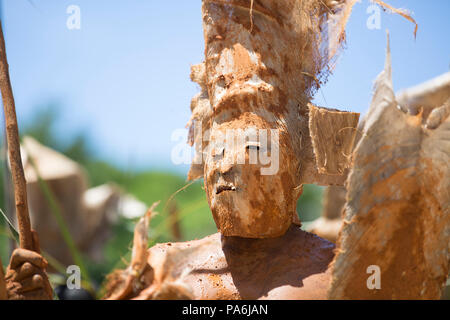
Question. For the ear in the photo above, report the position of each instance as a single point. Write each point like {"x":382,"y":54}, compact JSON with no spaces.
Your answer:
{"x":332,"y":135}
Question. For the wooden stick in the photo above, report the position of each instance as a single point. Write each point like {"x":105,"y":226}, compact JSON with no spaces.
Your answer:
{"x":12,"y":138}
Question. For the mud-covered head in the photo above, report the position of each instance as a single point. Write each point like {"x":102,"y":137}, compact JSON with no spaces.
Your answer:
{"x":250,"y":177}
{"x":263,"y":60}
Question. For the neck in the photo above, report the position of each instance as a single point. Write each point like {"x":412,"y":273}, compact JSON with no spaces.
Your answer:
{"x":249,"y":245}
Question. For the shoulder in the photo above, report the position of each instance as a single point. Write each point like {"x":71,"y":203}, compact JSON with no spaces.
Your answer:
{"x":189,"y":253}
{"x":306,"y":272}
{"x":211,"y":240}
{"x":310,"y":242}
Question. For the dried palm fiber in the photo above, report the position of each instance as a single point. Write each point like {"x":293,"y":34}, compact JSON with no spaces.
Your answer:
{"x":329,"y":224}
{"x":397,"y":214}
{"x":270,"y":65}
{"x":123,"y":284}
{"x":424,"y":98}
{"x":141,"y":281}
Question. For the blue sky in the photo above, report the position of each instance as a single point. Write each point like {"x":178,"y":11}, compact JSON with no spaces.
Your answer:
{"x":124,"y":76}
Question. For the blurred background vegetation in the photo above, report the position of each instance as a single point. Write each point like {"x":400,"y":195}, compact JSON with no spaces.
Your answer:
{"x":148,"y":186}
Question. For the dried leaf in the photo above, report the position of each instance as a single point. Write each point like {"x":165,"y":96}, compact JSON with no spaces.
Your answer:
{"x":404,"y":13}
{"x":162,"y":280}
{"x":336,"y":26}
{"x":338,"y":22}
{"x":123,"y":284}
{"x":397,"y":215}
{"x":425,"y":96}
{"x":140,"y":242}
{"x":333,"y":134}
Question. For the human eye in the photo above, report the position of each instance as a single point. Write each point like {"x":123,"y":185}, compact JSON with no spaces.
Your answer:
{"x":253,"y":146}
{"x":218,"y":152}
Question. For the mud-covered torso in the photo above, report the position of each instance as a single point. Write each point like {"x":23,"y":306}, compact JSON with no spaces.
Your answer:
{"x":294,"y":266}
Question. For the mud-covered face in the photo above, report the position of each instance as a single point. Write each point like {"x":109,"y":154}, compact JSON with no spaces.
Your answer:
{"x":249,"y":187}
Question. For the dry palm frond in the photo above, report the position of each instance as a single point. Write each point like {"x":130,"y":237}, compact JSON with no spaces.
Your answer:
{"x":122,"y":284}
{"x":140,"y":243}
{"x":404,"y":13}
{"x":159,"y":281}
{"x":397,"y":213}
{"x":337,"y":24}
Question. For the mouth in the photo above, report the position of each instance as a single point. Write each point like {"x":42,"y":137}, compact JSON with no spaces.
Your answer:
{"x":224,"y":188}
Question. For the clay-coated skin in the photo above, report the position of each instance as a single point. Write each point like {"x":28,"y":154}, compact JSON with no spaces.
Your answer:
{"x":26,"y":278}
{"x":293,"y":266}
{"x":244,"y":201}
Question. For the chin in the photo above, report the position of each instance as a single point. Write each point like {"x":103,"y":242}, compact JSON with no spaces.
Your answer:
{"x":240,"y":219}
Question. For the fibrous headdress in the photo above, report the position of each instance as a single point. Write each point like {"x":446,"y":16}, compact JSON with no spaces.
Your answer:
{"x":268,"y":58}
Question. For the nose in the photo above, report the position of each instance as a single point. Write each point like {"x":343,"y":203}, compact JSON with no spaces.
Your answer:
{"x":225,"y":168}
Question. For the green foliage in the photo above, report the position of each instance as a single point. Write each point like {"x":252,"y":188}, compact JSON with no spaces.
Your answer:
{"x":309,"y":206}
